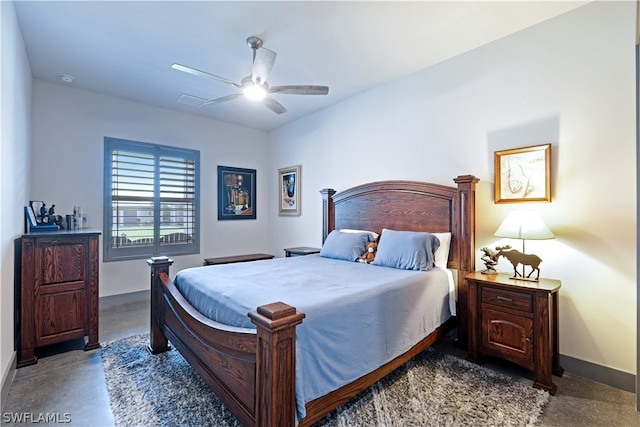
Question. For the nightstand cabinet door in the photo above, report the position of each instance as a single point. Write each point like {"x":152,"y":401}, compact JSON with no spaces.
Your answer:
{"x":508,"y":336}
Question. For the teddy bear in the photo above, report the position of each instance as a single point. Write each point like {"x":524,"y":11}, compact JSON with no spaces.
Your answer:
{"x":368,"y":256}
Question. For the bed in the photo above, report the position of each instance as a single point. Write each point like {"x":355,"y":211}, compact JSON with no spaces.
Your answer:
{"x":253,"y":369}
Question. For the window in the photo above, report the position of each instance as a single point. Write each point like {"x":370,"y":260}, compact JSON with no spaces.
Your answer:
{"x":152,"y":200}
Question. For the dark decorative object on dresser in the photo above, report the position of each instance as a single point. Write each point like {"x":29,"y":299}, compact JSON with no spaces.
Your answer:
{"x":515,"y":320}
{"x":56,"y":292}
{"x":37,"y":218}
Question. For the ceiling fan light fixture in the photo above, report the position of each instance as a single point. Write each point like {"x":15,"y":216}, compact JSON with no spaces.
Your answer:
{"x":254,"y":92}
{"x":254,"y":86}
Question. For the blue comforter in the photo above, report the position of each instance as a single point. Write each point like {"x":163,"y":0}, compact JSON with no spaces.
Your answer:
{"x":358,"y":316}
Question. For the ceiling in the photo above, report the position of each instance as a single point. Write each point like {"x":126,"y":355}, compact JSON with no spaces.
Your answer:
{"x":126,"y":49}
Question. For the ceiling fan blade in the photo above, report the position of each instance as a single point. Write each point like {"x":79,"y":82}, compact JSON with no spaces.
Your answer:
{"x":300,"y":90}
{"x":274,"y":105}
{"x":262,"y":64}
{"x":199,"y":73}
{"x":221,"y":99}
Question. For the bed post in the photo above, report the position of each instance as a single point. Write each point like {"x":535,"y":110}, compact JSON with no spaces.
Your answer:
{"x":465,"y":223}
{"x":328,"y":219}
{"x":275,"y":364}
{"x":159,"y":272}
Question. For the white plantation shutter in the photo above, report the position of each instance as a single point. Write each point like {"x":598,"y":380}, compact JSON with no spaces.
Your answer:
{"x":151,"y":200}
{"x":177,"y":200}
{"x":132,"y":192}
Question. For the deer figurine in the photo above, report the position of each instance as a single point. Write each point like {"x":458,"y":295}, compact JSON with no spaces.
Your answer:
{"x":516,"y":257}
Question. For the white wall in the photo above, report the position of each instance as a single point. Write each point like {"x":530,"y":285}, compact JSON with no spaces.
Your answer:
{"x":69,"y":126}
{"x":568,"y":81}
{"x":15,"y":123}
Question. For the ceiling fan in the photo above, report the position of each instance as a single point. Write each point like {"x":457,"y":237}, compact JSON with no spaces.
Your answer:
{"x":255,"y":86}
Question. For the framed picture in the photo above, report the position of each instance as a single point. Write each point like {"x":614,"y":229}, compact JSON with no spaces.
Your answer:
{"x":31,"y":218}
{"x":236,"y":193}
{"x":289,"y":194}
{"x":37,"y":207}
{"x":523,"y":174}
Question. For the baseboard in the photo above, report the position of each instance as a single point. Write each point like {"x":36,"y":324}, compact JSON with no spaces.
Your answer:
{"x":120,"y":299}
{"x":602,"y":374}
{"x":7,"y":379}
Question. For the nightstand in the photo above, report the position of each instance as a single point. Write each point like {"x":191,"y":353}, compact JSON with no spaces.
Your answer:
{"x":515,"y":320}
{"x":300,"y":251}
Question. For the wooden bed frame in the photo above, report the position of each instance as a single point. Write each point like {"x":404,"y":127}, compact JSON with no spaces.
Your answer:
{"x":253,"y":370}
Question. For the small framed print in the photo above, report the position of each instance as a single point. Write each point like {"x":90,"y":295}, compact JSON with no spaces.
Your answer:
{"x":38,"y":208}
{"x":31,"y":218}
{"x":236,"y":193}
{"x":523,"y":174}
{"x":289,"y":194}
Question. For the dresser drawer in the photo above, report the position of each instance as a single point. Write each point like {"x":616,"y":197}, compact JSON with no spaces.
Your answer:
{"x":507,"y":299}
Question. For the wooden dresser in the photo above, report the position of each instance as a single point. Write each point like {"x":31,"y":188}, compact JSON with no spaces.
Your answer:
{"x":56,"y":295}
{"x":515,"y":320}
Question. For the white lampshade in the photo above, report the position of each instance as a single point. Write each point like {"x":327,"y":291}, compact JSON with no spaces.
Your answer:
{"x":526,"y":225}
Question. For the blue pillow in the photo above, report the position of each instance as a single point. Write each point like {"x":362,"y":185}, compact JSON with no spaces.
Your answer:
{"x":347,"y":246}
{"x":407,"y":250}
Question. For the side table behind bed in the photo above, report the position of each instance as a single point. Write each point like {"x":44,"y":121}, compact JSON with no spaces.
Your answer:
{"x":236,"y":258}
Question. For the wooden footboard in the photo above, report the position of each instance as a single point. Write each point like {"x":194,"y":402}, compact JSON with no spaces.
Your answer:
{"x":251,"y":371}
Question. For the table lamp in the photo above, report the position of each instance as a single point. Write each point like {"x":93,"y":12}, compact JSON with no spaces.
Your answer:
{"x":525,"y":225}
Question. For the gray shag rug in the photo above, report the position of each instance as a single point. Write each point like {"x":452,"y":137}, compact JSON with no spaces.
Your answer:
{"x":433,"y":389}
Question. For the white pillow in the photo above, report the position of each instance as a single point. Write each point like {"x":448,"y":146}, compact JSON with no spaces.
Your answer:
{"x":441,"y":258}
{"x":373,"y":236}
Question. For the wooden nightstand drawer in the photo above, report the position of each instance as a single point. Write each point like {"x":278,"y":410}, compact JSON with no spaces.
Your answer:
{"x":507,"y":299}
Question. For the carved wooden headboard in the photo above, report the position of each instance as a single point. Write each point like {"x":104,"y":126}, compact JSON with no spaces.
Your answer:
{"x":412,"y":206}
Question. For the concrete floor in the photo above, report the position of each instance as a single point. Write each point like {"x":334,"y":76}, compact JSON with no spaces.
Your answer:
{"x":68,"y":383}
